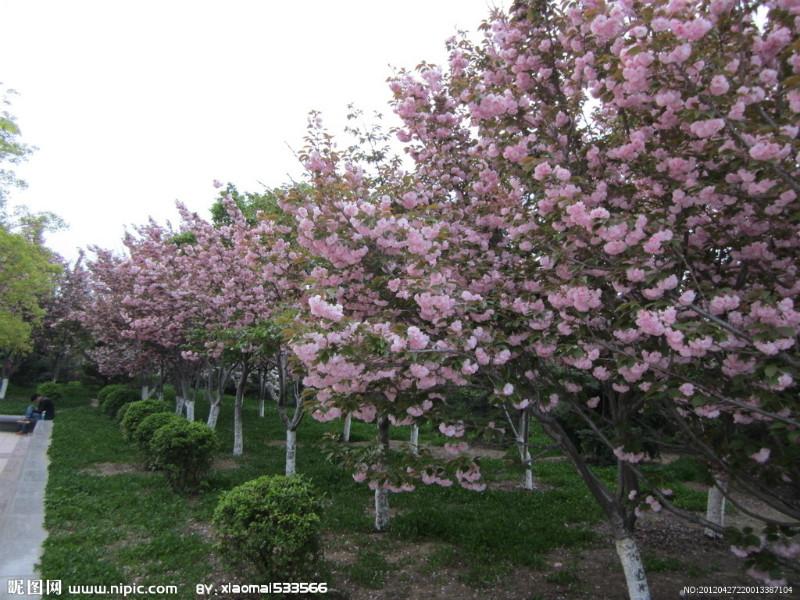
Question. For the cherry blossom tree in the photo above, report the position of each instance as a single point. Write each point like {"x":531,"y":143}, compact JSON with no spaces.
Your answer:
{"x":113,"y":351}
{"x":601,"y":202}
{"x":61,"y":337}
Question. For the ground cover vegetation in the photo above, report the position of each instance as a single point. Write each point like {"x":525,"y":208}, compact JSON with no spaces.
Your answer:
{"x":111,"y":518}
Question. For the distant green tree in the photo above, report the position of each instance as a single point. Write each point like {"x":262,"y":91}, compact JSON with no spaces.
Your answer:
{"x":12,"y":150}
{"x":27,"y":275}
{"x":251,"y":204}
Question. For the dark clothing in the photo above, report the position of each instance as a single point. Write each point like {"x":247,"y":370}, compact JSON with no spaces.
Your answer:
{"x":47,"y":409}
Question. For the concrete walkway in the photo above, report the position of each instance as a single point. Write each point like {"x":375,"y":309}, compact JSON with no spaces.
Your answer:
{"x":23,"y":477}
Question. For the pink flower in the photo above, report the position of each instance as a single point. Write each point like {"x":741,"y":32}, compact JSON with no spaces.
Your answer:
{"x":455,"y":448}
{"x":761,"y":456}
{"x":678,"y":55}
{"x":502,"y":357}
{"x":593,"y":402}
{"x":419,"y":371}
{"x":719,"y":85}
{"x":765,"y":151}
{"x":630,"y":457}
{"x":653,"y":245}
{"x":707,"y":128}
{"x":693,"y":30}
{"x":416,"y":339}
{"x":741,"y":552}
{"x":649,"y":323}
{"x":605,"y":28}
{"x":541,"y":171}
{"x":655,"y":505}
{"x":415,"y":411}
{"x":687,"y":389}
{"x":614,"y":247}
{"x":562,"y":174}
{"x":455,"y":430}
{"x":635,"y":275}
{"x":320,"y":308}
{"x":583,"y":298}
{"x":521,"y":405}
{"x":723,"y":304}
{"x":469,"y":367}
{"x":508,"y":389}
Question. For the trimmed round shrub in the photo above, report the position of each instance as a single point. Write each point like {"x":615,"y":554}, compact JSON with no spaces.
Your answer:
{"x":147,"y":428}
{"x":271,"y":525}
{"x":184,"y":451}
{"x":54,"y":391}
{"x":116,"y":399}
{"x":106,"y":390}
{"x":131,"y":415}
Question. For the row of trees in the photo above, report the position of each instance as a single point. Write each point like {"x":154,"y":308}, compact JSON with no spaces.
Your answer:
{"x":600,"y":224}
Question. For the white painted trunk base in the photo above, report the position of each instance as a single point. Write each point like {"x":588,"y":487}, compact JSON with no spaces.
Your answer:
{"x":348,"y":422}
{"x":715,"y":507}
{"x":238,"y":437}
{"x":213,"y":415}
{"x":3,"y":388}
{"x":189,"y":410}
{"x":381,"y":509}
{"x":632,"y":564}
{"x":145,"y":392}
{"x":291,"y":451}
{"x":415,"y":439}
{"x":179,"y":404}
{"x":261,"y":407}
{"x":527,"y":480}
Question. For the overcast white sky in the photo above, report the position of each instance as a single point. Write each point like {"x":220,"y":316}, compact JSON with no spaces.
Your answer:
{"x":134,"y":104}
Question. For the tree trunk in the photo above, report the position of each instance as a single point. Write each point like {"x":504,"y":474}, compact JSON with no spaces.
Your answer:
{"x":381,"y":493}
{"x":381,"y":509}
{"x":187,"y":396}
{"x":633,"y":567}
{"x":189,"y":410}
{"x":288,"y":395}
{"x":715,"y":507}
{"x":415,"y":439}
{"x":215,"y":396}
{"x":3,"y":388}
{"x":56,"y":368}
{"x":160,"y":384}
{"x":213,"y":413}
{"x":145,"y":392}
{"x":238,"y":436}
{"x":262,"y":392}
{"x":348,"y":422}
{"x":291,"y":451}
{"x":615,"y":512}
{"x":524,"y":450}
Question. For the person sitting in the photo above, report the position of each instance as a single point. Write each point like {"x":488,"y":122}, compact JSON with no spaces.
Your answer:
{"x":32,"y":414}
{"x":47,"y":409}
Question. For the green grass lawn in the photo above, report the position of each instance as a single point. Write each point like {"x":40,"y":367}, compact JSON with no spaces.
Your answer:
{"x":130,"y":527}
